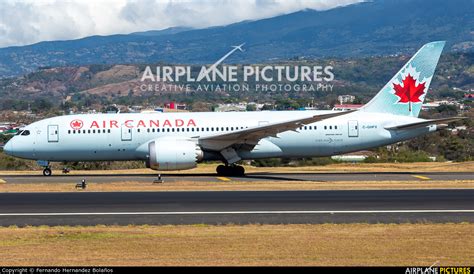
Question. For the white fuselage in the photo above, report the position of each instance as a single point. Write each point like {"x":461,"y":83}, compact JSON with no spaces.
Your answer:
{"x":110,"y":137}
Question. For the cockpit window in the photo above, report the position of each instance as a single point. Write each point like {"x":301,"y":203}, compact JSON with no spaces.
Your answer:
{"x":25,"y":133}
{"x":19,"y":132}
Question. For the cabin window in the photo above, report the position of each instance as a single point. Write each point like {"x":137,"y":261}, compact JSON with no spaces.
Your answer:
{"x":325,"y":127}
{"x":108,"y":131}
{"x":138,"y":130}
{"x":335,"y":127}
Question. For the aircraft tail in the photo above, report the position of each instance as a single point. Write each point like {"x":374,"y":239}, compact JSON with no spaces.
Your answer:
{"x":405,"y":92}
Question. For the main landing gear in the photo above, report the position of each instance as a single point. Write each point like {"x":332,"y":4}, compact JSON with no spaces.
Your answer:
{"x":232,"y":170}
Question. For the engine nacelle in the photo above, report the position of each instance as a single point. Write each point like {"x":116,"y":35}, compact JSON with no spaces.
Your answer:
{"x":173,"y":154}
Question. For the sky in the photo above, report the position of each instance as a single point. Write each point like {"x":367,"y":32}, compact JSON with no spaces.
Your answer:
{"x":30,"y":21}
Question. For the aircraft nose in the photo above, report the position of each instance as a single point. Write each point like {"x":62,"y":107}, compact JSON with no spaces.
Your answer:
{"x":8,"y":148}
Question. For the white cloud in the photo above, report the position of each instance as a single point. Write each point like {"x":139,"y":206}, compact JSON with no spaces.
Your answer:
{"x":30,"y":21}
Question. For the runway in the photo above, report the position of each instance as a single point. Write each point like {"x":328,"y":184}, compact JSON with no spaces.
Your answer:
{"x":261,"y":176}
{"x":237,"y":207}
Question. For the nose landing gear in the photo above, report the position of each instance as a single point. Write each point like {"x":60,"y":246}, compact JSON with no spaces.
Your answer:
{"x":47,"y":170}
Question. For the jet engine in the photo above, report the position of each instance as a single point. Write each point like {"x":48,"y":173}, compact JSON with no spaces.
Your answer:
{"x":173,"y":154}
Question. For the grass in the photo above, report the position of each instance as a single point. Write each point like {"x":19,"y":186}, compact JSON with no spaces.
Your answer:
{"x":235,"y":185}
{"x":326,"y":244}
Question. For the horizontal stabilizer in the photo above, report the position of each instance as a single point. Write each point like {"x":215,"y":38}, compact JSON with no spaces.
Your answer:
{"x":426,"y":123}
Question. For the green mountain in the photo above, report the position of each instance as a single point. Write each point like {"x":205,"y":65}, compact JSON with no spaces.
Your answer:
{"x":381,"y":27}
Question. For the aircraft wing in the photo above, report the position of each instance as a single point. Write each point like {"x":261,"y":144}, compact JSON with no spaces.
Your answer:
{"x":252,"y":135}
{"x":426,"y":123}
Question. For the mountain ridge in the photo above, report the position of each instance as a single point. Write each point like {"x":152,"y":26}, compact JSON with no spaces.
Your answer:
{"x":381,"y":27}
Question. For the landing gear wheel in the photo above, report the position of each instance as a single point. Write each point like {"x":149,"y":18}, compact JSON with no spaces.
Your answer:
{"x":233,"y":170}
{"x":221,"y":170}
{"x":47,"y":172}
{"x":239,"y":170}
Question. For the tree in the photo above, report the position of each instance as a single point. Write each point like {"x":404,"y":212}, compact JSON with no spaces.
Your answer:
{"x":41,"y":105}
{"x":251,"y":107}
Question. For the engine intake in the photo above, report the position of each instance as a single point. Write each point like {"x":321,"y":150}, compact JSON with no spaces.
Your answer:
{"x":173,"y":154}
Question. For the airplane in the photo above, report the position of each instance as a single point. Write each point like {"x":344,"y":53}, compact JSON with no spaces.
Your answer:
{"x":213,"y":67}
{"x":179,"y":141}
{"x":239,"y":47}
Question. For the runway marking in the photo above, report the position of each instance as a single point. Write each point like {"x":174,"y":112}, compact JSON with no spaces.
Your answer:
{"x":421,"y":177}
{"x":239,"y":212}
{"x":225,"y":179}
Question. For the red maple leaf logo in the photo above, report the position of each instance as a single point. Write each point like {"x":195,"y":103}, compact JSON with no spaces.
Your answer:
{"x":76,"y":124}
{"x":409,"y":92}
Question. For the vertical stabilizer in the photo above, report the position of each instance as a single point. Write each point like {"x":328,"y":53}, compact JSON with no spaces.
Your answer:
{"x":405,"y":92}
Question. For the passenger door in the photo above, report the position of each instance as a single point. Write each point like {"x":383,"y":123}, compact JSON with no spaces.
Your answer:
{"x":353,"y":127}
{"x":126,"y":133}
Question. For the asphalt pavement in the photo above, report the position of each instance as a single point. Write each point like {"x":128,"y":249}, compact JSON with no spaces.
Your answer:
{"x":237,"y":207}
